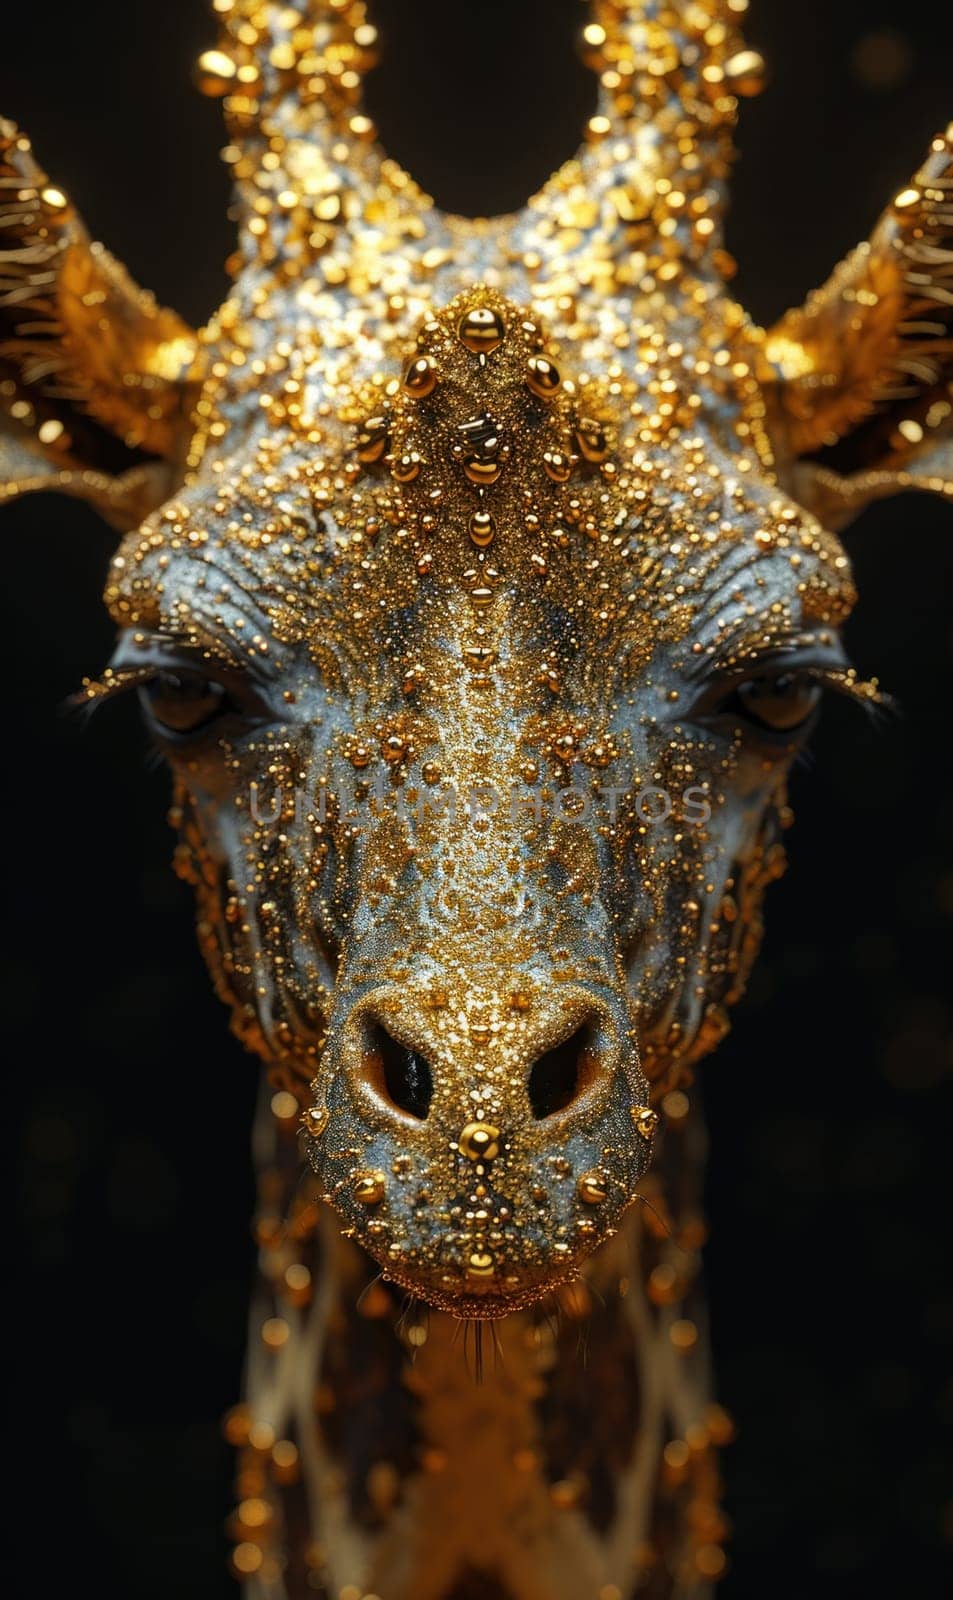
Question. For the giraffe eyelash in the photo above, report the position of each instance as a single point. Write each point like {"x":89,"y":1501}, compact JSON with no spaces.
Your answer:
{"x":847,"y":681}
{"x":112,"y":682}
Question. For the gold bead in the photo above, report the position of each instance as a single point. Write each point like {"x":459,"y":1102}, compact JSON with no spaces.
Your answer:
{"x":481,"y":331}
{"x":481,"y":1265}
{"x":420,"y":379}
{"x":593,"y":1187}
{"x":746,"y":73}
{"x":482,"y":529}
{"x":407,"y":467}
{"x":314,"y":1120}
{"x":646,"y":1121}
{"x":481,"y":471}
{"x":542,"y":377}
{"x":591,"y":441}
{"x":369,"y":1188}
{"x":479,"y":1141}
{"x":372,"y":440}
{"x":558,"y":466}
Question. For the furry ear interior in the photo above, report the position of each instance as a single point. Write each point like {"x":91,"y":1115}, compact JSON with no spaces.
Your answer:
{"x":859,"y":380}
{"x":97,"y":382}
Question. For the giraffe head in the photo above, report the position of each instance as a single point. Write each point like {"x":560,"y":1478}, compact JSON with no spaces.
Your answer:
{"x":487,"y":588}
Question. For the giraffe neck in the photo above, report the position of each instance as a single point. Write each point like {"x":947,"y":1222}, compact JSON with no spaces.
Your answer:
{"x":566,"y":1453}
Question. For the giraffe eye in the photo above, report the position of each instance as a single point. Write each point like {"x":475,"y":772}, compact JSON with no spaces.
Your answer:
{"x":782,"y":703}
{"x":184,"y":702}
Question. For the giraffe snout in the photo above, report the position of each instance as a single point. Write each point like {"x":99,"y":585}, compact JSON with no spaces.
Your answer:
{"x":481,"y":1145}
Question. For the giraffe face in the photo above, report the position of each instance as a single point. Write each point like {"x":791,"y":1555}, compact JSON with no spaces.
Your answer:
{"x":480,"y":679}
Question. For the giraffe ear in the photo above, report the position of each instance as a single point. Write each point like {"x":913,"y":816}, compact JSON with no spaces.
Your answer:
{"x":858,"y":382}
{"x":97,"y":382}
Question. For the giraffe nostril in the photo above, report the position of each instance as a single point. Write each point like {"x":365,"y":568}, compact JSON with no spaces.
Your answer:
{"x":398,"y":1073}
{"x":562,"y":1075}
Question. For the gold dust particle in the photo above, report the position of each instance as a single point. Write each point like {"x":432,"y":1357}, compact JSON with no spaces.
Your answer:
{"x":275,"y":1333}
{"x":676,"y":1105}
{"x":683,"y":1334}
{"x":247,"y":1558}
{"x":284,"y":1106}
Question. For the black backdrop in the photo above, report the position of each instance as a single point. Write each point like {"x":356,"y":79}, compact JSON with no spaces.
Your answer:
{"x":830,"y":1161}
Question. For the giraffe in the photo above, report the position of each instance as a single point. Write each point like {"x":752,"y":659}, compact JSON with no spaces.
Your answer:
{"x":480,"y":582}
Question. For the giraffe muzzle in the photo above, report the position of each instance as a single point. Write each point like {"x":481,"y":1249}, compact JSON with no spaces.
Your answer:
{"x":481,"y":1151}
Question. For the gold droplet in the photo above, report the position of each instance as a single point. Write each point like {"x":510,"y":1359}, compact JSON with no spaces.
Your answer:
{"x":542,"y":377}
{"x":481,"y":471}
{"x":215,"y":73}
{"x":420,"y":379}
{"x":646,"y":1121}
{"x":479,"y":656}
{"x":369,"y":1188}
{"x":372,"y":440}
{"x":481,"y":597}
{"x":907,"y":199}
{"x":314,"y":1120}
{"x":407,"y":467}
{"x":431,"y":772}
{"x":593,"y":1187}
{"x":481,"y":1265}
{"x":480,"y":1141}
{"x":746,"y":73}
{"x":482,"y":529}
{"x":481,"y":331}
{"x":591,"y":441}
{"x":558,"y":465}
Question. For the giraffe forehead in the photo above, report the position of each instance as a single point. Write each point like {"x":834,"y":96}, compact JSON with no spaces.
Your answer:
{"x":486,"y":493}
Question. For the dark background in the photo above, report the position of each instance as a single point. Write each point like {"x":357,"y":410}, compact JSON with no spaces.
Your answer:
{"x":830,"y":1162}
